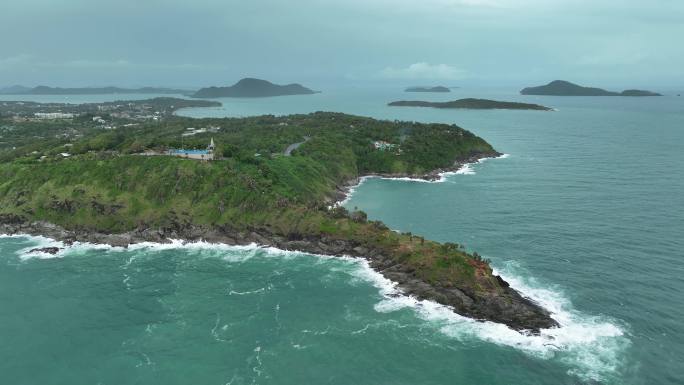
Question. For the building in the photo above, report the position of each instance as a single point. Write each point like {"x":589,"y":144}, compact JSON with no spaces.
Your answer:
{"x":207,"y":154}
{"x":383,"y":146}
{"x":52,"y":115}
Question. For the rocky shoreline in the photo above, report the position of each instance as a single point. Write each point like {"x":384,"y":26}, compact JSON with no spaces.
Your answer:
{"x":504,"y":305}
{"x":342,"y":192}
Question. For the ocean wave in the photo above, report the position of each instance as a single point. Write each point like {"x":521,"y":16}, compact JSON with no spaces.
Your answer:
{"x":590,"y":346}
{"x":466,"y":169}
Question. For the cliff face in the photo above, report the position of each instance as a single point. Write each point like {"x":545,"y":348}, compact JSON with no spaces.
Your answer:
{"x":251,"y":88}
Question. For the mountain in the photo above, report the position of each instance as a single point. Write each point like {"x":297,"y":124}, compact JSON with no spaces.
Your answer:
{"x":639,"y":93}
{"x":474,"y":104}
{"x":45,"y":90}
{"x":565,"y":88}
{"x":428,"y":89}
{"x":252,"y":88}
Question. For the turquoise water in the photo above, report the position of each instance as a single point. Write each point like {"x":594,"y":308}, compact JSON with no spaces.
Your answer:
{"x":584,"y":214}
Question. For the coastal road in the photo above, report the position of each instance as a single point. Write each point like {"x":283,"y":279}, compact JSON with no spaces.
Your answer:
{"x":294,"y":146}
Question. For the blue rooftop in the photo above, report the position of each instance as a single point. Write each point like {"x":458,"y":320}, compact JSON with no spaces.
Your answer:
{"x":190,"y":152}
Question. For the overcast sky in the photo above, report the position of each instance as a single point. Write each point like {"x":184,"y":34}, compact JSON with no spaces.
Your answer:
{"x":616,"y":43}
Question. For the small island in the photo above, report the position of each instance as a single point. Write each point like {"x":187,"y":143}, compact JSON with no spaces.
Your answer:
{"x":269,"y":180}
{"x":472,"y":104}
{"x":252,"y":88}
{"x":428,"y":89}
{"x":565,"y":88}
{"x":45,"y":90}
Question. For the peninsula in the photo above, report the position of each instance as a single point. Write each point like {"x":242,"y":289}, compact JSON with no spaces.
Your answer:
{"x":45,"y":90}
{"x":71,"y":179}
{"x":564,"y":88}
{"x":252,"y":88}
{"x":428,"y":89}
{"x":473,"y":104}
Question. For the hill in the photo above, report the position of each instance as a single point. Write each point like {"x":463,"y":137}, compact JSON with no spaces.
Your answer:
{"x":565,"y":88}
{"x":252,"y":88}
{"x":469,"y":103}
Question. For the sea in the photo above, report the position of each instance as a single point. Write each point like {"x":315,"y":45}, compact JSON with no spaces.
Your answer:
{"x":584,"y":214}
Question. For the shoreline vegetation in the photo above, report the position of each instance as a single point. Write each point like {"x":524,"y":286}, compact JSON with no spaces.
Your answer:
{"x":104,"y":192}
{"x":472,"y":104}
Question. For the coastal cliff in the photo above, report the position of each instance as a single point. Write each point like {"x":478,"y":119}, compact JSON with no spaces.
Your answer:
{"x":248,"y":195}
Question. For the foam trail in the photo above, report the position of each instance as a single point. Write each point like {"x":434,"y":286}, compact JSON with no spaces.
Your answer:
{"x":466,"y":169}
{"x":590,"y":346}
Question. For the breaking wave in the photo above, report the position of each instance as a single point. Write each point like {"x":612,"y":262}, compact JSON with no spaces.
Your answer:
{"x":466,"y":169}
{"x":591,"y":347}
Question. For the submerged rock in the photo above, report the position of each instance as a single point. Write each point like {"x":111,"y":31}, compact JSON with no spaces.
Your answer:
{"x":46,"y":250}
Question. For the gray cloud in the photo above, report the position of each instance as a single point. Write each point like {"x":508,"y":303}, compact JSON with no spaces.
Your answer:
{"x":174,"y":42}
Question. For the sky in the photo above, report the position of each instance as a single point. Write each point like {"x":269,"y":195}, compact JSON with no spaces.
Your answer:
{"x":181,"y":43}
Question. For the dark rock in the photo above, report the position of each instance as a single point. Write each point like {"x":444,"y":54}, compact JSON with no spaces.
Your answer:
{"x":46,"y":250}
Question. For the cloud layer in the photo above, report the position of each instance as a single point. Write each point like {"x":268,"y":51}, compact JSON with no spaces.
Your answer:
{"x":616,"y":43}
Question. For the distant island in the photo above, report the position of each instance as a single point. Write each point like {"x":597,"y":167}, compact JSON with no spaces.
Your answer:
{"x":428,"y":89}
{"x":252,"y":88}
{"x":45,"y":90}
{"x":565,"y":88}
{"x":473,"y":104}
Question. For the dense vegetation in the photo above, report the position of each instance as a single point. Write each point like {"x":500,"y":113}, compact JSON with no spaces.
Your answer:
{"x":105,"y":185}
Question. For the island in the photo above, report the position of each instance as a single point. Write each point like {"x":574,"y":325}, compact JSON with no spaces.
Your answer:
{"x":428,"y":89}
{"x":253,"y":88}
{"x":45,"y":90}
{"x":270,"y":180}
{"x":565,"y":88}
{"x":470,"y":103}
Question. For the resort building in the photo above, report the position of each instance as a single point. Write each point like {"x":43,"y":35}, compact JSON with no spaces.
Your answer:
{"x":207,"y":154}
{"x":383,"y":146}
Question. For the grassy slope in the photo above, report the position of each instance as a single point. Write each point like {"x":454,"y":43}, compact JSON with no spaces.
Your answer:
{"x":105,"y":189}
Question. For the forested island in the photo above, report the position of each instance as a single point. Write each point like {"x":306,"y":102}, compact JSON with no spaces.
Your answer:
{"x":470,"y":103}
{"x":252,"y":88}
{"x":428,"y":89}
{"x":45,"y":90}
{"x":564,"y":88}
{"x":73,"y":180}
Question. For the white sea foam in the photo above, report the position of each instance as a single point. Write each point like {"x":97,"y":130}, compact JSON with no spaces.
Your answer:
{"x":466,"y":169}
{"x":590,"y":346}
